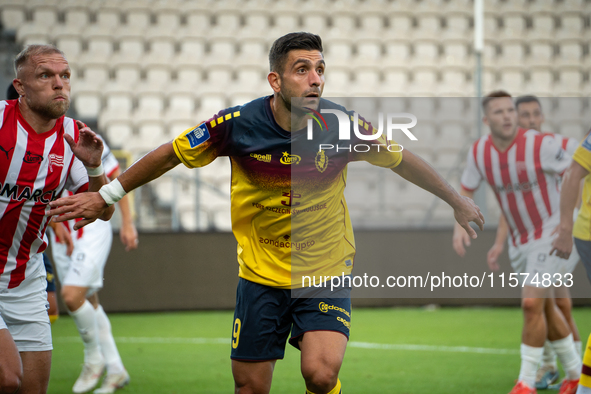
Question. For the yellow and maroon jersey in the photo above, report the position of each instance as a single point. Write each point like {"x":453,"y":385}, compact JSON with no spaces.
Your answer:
{"x":288,"y":209}
{"x":582,"y":227}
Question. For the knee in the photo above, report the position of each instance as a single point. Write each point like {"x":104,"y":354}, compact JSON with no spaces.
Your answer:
{"x":564,"y":304}
{"x":532,"y":306}
{"x":73,"y":298}
{"x":11,"y":382}
{"x":320,"y":380}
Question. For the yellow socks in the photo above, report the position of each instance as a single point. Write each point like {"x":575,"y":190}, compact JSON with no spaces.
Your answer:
{"x":335,"y":390}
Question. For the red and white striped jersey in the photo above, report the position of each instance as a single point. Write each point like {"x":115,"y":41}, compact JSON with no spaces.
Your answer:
{"x":525,"y":179}
{"x":568,"y":144}
{"x":34,"y":169}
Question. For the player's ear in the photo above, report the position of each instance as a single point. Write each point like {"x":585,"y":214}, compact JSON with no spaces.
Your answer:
{"x":485,"y":120}
{"x":18,"y":85}
{"x":275,"y":81}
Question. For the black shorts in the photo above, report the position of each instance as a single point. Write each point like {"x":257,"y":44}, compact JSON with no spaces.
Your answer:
{"x":584,"y":249}
{"x":50,"y":275}
{"x":264,"y":316}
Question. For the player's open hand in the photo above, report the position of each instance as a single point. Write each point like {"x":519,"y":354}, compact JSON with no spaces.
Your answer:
{"x":492,"y":257}
{"x":89,"y":147}
{"x":563,"y":243}
{"x":128,"y":235}
{"x":87,"y":206}
{"x":467,"y":211}
{"x":460,"y":240}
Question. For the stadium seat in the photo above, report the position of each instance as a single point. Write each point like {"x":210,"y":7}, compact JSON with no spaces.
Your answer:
{"x":188,"y":73}
{"x":137,"y":13}
{"x":424,"y":82}
{"x":397,"y":53}
{"x":131,"y":42}
{"x":338,"y":78}
{"x":108,"y":17}
{"x":257,"y":20}
{"x":401,"y":24}
{"x":512,"y":79}
{"x":99,"y":43}
{"x":570,"y":79}
{"x":426,"y":53}
{"x":339,"y":51}
{"x":543,"y":25}
{"x":541,"y":81}
{"x":429,"y":24}
{"x":222,"y":48}
{"x":77,"y":16}
{"x":367,"y":81}
{"x":87,"y":102}
{"x":453,"y":82}
{"x":94,"y":73}
{"x":571,"y":24}
{"x":127,"y":70}
{"x":71,"y":45}
{"x":457,"y":23}
{"x":118,"y":133}
{"x":253,"y":50}
{"x":512,"y":53}
{"x":31,"y":33}
{"x":570,"y":51}
{"x":167,"y":15}
{"x":541,"y":52}
{"x":14,"y":14}
{"x":372,"y":20}
{"x":456,"y":52}
{"x":44,"y":15}
{"x":369,"y":51}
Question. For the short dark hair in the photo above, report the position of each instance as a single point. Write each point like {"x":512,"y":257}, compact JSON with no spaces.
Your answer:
{"x":33,"y":50}
{"x":290,"y":42}
{"x":527,"y":99}
{"x":493,"y":95}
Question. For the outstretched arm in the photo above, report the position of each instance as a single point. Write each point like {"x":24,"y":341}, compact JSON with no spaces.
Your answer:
{"x":416,"y":170}
{"x":127,"y":232}
{"x":563,"y":243}
{"x":90,"y":206}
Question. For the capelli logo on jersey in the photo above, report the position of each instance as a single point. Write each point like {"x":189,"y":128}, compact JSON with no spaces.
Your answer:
{"x":324,"y":307}
{"x":264,"y":158}
{"x":289,"y":159}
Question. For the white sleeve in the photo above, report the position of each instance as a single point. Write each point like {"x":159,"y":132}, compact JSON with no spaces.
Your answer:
{"x":553,"y":158}
{"x":110,"y":162}
{"x":77,"y":177}
{"x":571,"y":145}
{"x":471,"y":177}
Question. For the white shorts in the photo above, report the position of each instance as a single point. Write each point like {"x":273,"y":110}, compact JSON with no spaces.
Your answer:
{"x":534,"y":258}
{"x":24,"y":313}
{"x":85,"y":267}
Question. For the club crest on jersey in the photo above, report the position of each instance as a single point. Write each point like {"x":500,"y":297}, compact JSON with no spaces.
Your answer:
{"x":321,"y":161}
{"x":198,"y":135}
{"x":55,"y":160}
{"x":32,"y":158}
{"x":289,"y":159}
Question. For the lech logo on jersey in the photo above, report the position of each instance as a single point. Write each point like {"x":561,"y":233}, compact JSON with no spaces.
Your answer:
{"x":198,"y":135}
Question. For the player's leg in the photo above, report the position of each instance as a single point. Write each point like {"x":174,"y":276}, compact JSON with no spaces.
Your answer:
{"x":561,"y":341}
{"x":117,"y":377}
{"x":252,"y":377}
{"x":261,"y":326}
{"x":11,"y":369}
{"x":322,"y":357}
{"x":321,"y":330}
{"x":36,"y":368}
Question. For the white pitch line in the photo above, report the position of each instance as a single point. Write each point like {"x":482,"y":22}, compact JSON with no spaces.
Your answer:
{"x":353,"y":344}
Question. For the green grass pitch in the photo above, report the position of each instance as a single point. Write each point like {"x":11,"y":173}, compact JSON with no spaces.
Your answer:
{"x":398,"y":350}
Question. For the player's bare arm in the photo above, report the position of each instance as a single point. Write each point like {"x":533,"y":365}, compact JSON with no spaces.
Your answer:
{"x":416,"y":170}
{"x":127,"y":232}
{"x":92,"y":205}
{"x":495,"y":251}
{"x":563,"y":243}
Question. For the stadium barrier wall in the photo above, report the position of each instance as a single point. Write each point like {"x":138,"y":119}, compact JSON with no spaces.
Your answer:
{"x":188,"y":271}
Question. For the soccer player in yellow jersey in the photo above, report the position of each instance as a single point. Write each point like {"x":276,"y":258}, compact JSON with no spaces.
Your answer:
{"x":288,"y":210}
{"x":581,"y":230}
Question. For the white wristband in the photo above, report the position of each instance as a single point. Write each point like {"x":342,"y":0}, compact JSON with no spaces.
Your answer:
{"x":94,"y":172}
{"x":112,"y":192}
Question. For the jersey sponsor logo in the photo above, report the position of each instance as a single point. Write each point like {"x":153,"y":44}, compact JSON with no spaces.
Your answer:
{"x":321,"y":161}
{"x":517,"y":187}
{"x":198,"y":135}
{"x":283,"y":243}
{"x":6,"y":151}
{"x":289,"y":159}
{"x":560,"y":155}
{"x":55,"y":160}
{"x":32,"y":158}
{"x":13,"y":192}
{"x":266,"y":158}
{"x":324,"y":307}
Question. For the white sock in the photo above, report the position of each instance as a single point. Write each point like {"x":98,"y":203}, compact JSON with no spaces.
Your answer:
{"x":549,"y":356}
{"x":579,"y":348}
{"x":570,"y":360}
{"x":530,"y":359}
{"x":583,"y":390}
{"x":85,"y":320}
{"x":108,"y":346}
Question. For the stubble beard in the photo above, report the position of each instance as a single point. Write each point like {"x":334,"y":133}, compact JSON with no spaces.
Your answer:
{"x":51,"y":110}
